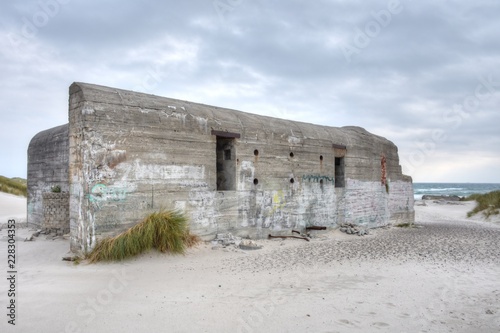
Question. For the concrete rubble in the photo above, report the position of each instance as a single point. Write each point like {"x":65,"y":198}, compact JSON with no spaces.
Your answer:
{"x":352,"y":229}
{"x":229,"y":240}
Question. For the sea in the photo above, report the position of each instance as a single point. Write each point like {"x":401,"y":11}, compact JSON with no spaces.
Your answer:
{"x":460,"y":189}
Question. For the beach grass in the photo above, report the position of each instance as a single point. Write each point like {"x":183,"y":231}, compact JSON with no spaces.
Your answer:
{"x":488,"y":204}
{"x":165,"y":231}
{"x":16,"y":186}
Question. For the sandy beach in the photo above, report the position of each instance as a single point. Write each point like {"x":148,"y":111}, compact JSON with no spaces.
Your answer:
{"x":441,"y":276}
{"x":12,"y":206}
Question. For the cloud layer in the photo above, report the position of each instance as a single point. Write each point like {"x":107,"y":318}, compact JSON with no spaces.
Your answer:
{"x":425,"y":75}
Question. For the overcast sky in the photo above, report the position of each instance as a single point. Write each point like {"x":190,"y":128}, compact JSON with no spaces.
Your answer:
{"x":424,"y":74}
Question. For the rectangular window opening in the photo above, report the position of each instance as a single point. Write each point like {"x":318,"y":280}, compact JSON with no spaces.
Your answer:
{"x":339,"y":172}
{"x":226,"y":166}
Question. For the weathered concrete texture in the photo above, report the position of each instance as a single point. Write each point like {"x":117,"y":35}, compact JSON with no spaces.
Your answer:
{"x":230,"y":171}
{"x":48,"y":160}
{"x":56,"y":212}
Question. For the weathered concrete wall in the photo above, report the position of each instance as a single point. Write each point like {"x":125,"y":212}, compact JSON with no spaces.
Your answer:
{"x":48,"y":159}
{"x":133,"y":153}
{"x":56,"y":212}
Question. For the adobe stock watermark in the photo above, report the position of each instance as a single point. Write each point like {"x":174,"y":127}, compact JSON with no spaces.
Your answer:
{"x":154,"y":76}
{"x":87,"y":311}
{"x":452,"y":119}
{"x":440,"y":304}
{"x":363,"y":37}
{"x":223,"y":7}
{"x":31,"y":25}
{"x":260,"y":310}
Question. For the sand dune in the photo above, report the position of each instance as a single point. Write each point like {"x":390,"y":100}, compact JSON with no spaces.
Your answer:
{"x":440,"y":277}
{"x":12,"y":206}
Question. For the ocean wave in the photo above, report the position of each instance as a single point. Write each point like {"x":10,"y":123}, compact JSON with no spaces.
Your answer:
{"x":460,"y":189}
{"x":443,"y":189}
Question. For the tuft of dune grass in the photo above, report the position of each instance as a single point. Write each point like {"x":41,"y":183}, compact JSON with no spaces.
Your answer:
{"x":488,"y":204}
{"x":16,"y":186}
{"x":165,"y":231}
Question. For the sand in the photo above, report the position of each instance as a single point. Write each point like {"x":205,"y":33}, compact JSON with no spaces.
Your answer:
{"x":12,"y":206}
{"x":442,"y":276}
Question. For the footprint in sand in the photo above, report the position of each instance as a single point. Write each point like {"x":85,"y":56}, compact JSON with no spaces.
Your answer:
{"x":346,"y":322}
{"x":380,"y":324}
{"x":404,"y":315}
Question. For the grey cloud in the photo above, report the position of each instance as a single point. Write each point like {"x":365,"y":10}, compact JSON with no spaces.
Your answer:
{"x":269,"y":57}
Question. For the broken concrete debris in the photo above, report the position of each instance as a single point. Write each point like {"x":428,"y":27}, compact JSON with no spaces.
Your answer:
{"x":228,"y":239}
{"x":248,"y":244}
{"x":353,"y":229}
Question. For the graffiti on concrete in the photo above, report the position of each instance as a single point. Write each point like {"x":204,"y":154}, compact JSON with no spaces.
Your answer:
{"x":101,"y":193}
{"x":318,"y":179}
{"x":204,"y":213}
{"x":108,"y":223}
{"x":279,"y":201}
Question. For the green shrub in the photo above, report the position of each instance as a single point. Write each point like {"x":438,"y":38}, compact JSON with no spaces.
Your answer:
{"x":471,"y":197}
{"x":488,"y":204}
{"x":56,"y":189}
{"x":165,"y":231}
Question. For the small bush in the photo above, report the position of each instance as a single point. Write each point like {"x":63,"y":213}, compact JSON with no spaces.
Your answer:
{"x":56,"y":189}
{"x":488,"y":204}
{"x":471,"y":197}
{"x":166,"y":231}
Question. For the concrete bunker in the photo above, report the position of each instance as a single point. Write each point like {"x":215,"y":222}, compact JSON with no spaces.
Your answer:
{"x":125,"y":154}
{"x":48,"y":183}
